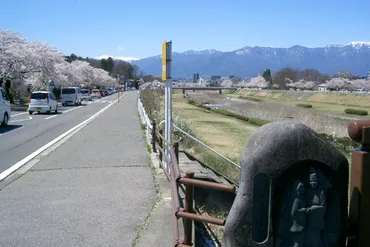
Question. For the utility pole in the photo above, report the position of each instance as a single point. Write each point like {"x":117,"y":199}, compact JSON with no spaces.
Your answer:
{"x":118,"y":78}
{"x":166,"y":76}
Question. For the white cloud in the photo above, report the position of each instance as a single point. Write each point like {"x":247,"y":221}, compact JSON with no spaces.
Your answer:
{"x":118,"y":58}
{"x":120,"y":48}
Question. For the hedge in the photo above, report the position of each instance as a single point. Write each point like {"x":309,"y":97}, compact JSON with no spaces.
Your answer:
{"x":250,"y":98}
{"x":355,"y":112}
{"x":304,"y":105}
{"x":254,"y":121}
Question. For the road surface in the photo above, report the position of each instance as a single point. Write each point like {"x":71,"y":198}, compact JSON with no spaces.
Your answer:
{"x":25,"y":134}
{"x":95,"y":189}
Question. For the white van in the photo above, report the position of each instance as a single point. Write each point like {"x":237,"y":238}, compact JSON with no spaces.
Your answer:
{"x":71,"y":95}
{"x":5,"y":112}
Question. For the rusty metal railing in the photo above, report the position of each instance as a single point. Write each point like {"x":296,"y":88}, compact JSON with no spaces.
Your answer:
{"x":188,"y":214}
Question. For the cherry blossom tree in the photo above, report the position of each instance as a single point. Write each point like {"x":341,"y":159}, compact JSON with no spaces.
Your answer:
{"x":13,"y":54}
{"x":301,"y":84}
{"x":256,"y":82}
{"x":226,"y":83}
{"x":37,"y":63}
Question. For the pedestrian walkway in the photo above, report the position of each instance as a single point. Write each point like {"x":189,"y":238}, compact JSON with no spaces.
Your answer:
{"x":96,"y":189}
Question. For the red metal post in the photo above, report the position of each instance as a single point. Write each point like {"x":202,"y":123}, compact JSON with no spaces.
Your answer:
{"x":359,"y":213}
{"x":154,"y":136}
{"x":161,"y":145}
{"x":188,"y":223}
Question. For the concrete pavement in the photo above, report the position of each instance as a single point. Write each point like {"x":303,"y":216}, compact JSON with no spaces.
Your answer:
{"x":26,"y":133}
{"x":96,"y":189}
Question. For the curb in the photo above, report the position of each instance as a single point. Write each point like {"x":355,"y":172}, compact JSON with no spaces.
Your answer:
{"x":18,"y":108}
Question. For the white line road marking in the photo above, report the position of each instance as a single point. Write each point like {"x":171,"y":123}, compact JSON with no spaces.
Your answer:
{"x":20,"y":120}
{"x":51,"y":117}
{"x":71,"y":109}
{"x":18,"y":114}
{"x":25,"y":160}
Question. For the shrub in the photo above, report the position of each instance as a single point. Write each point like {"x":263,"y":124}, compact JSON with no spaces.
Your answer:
{"x":152,"y":101}
{"x":342,"y":143}
{"x":231,"y":114}
{"x":258,"y":122}
{"x":304,"y":105}
{"x":355,"y":112}
{"x":254,"y":121}
{"x":250,"y":98}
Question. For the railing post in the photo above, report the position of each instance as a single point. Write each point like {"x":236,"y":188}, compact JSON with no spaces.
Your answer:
{"x":176,"y":147}
{"x":189,"y":198}
{"x":161,"y":145}
{"x":359,"y":213}
{"x":154,"y":136}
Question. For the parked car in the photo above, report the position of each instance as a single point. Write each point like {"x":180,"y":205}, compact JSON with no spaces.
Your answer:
{"x":42,"y":101}
{"x":5,"y":112}
{"x":95,"y":93}
{"x":104,"y":92}
{"x":86,"y":94}
{"x":71,"y":95}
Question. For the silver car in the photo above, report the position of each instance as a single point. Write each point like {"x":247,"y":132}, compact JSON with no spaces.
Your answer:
{"x":85,"y":94}
{"x":95,"y":93}
{"x":71,"y":95}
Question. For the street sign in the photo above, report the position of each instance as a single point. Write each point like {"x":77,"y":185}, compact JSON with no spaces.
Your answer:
{"x":164,"y":61}
{"x":51,"y":84}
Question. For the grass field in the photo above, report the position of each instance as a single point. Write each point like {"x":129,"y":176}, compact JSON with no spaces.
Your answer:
{"x":224,"y":134}
{"x":330,"y":103}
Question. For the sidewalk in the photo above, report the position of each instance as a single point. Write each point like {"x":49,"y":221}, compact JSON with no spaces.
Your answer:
{"x":96,"y":189}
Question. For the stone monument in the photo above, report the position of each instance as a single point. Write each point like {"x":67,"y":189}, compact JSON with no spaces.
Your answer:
{"x":293,"y":191}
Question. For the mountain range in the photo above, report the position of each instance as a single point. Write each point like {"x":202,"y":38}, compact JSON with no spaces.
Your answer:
{"x":249,"y":61}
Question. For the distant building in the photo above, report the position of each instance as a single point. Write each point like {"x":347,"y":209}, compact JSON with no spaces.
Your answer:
{"x":322,"y":88}
{"x":195,"y":77}
{"x":215,"y":78}
{"x":368,"y":75}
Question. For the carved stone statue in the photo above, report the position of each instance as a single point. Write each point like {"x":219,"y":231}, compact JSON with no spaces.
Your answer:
{"x":299,"y":216}
{"x":316,"y":201}
{"x":302,"y":213}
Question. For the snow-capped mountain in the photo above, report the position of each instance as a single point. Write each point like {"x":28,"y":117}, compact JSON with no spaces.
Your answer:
{"x":126,"y":59}
{"x":249,"y":61}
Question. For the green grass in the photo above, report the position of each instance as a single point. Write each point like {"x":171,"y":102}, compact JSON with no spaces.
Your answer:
{"x":225,"y":134}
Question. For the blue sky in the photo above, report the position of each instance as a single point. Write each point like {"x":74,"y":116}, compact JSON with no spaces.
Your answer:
{"x":137,"y":28}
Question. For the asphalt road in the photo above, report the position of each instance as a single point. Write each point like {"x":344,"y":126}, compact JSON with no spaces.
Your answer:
{"x":95,"y":189}
{"x":25,"y":134}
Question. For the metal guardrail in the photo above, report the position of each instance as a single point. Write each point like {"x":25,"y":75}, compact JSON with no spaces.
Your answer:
{"x":173,"y":174}
{"x":188,"y":213}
